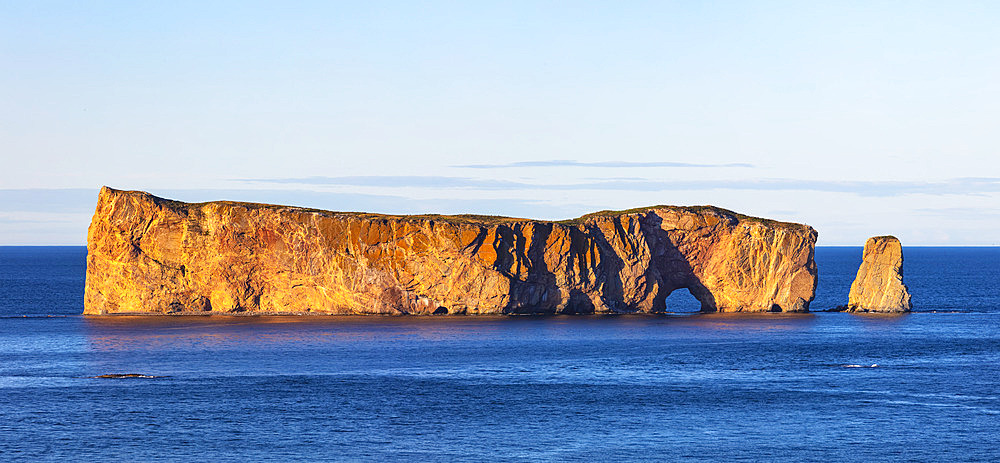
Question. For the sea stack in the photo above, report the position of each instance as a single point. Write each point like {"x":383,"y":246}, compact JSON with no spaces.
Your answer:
{"x":879,"y":286}
{"x":149,"y":255}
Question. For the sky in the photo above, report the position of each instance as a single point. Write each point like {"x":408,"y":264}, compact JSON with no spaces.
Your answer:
{"x":858,"y":118}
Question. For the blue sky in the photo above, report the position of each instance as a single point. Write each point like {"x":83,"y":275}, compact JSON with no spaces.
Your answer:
{"x":858,"y":118}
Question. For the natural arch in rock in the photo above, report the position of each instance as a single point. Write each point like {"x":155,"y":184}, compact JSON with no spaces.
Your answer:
{"x":682,"y":301}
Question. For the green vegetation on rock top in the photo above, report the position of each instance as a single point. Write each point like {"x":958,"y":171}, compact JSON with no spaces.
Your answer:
{"x":463,"y":218}
{"x":692,"y":209}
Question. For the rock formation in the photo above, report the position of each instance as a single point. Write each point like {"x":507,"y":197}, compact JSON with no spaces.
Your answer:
{"x":879,"y":285}
{"x":152,"y":255}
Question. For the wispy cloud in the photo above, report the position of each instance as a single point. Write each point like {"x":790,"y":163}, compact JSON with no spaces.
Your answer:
{"x":418,"y":181}
{"x":602,"y":164}
{"x":45,"y":206}
{"x":958,"y":186}
{"x":960,"y":212}
{"x":18,"y":220}
{"x":43,"y":216}
{"x":48,"y":217}
{"x":48,"y":200}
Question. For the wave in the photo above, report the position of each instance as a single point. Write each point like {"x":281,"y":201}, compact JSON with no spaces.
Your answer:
{"x":126,"y":375}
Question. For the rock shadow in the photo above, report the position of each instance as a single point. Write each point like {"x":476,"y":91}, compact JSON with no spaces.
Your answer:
{"x":670,"y":268}
{"x":597,"y":267}
{"x":538,"y":292}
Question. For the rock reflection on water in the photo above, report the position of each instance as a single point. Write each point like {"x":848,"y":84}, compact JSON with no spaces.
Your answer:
{"x":753,"y":321}
{"x":159,"y":332}
{"x":634,"y":349}
{"x":125,"y":332}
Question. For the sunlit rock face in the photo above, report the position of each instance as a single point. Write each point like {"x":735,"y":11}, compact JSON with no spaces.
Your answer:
{"x":152,"y":255}
{"x":879,"y":286}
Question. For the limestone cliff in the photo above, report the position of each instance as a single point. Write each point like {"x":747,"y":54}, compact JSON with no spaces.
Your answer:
{"x":152,"y":255}
{"x":879,"y":286}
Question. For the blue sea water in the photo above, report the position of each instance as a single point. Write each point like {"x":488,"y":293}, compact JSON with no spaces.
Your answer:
{"x":712,"y":387}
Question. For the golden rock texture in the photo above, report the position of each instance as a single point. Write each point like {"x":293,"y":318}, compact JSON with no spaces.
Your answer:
{"x":153,"y":255}
{"x":879,"y":285}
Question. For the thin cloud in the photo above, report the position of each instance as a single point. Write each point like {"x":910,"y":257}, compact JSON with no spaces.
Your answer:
{"x":603,"y":164}
{"x":959,"y":212}
{"x":419,"y":181}
{"x":958,"y":186}
{"x":48,"y":199}
{"x":68,"y":211}
{"x":46,"y":206}
{"x":18,"y":220}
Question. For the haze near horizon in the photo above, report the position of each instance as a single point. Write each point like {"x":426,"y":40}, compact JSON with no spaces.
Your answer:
{"x":857,"y":118}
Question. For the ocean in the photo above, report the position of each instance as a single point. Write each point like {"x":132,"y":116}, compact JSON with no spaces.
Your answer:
{"x":679,"y":386}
